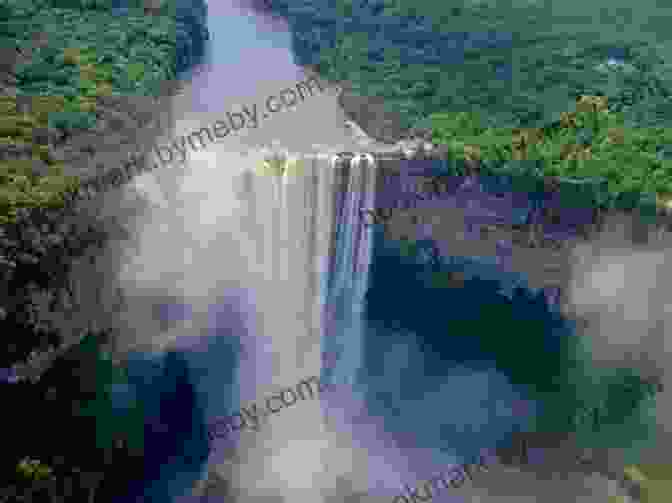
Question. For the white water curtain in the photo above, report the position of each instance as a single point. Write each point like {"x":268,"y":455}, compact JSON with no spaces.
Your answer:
{"x":289,"y":228}
{"x":290,"y":220}
{"x":303,"y":214}
{"x":348,"y":274}
{"x":259,"y":257}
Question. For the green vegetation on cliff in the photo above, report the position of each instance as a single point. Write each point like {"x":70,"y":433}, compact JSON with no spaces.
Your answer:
{"x":20,"y":185}
{"x":517,"y":63}
{"x":59,"y":59}
{"x":589,"y":143}
{"x":76,"y":55}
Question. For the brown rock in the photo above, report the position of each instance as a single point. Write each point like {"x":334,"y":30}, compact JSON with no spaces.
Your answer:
{"x":370,"y":114}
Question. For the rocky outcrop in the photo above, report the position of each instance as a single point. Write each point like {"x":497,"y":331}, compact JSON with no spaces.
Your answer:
{"x":371,"y":114}
{"x":528,"y":232}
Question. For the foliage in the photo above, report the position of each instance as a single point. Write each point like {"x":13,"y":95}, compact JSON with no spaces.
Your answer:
{"x":33,"y":469}
{"x":20,"y":184}
{"x":110,"y":422}
{"x":511,"y":61}
{"x":655,"y":480}
{"x":64,"y":77}
{"x":130,"y":55}
{"x":87,"y":52}
{"x":19,"y":187}
{"x":591,"y":142}
{"x":75,"y":393}
{"x":92,"y":4}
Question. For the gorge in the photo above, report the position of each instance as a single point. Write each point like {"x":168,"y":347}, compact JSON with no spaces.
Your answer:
{"x":220,"y":286}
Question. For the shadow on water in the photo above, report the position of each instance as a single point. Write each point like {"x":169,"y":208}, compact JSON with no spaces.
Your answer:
{"x":457,"y":355}
{"x":475,"y":332}
{"x":177,"y":390}
{"x":175,"y":442}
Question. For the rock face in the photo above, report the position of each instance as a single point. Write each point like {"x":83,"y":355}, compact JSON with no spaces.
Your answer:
{"x":370,"y":114}
{"x":525,"y":233}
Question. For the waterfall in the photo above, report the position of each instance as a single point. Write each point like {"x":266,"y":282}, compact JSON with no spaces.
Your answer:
{"x":258,"y":263}
{"x":320,"y":259}
{"x":348,"y":273}
{"x":243,"y":278}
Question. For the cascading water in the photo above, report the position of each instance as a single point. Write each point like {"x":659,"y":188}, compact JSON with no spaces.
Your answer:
{"x":348,"y":274}
{"x":255,"y":322}
{"x":225,"y":282}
